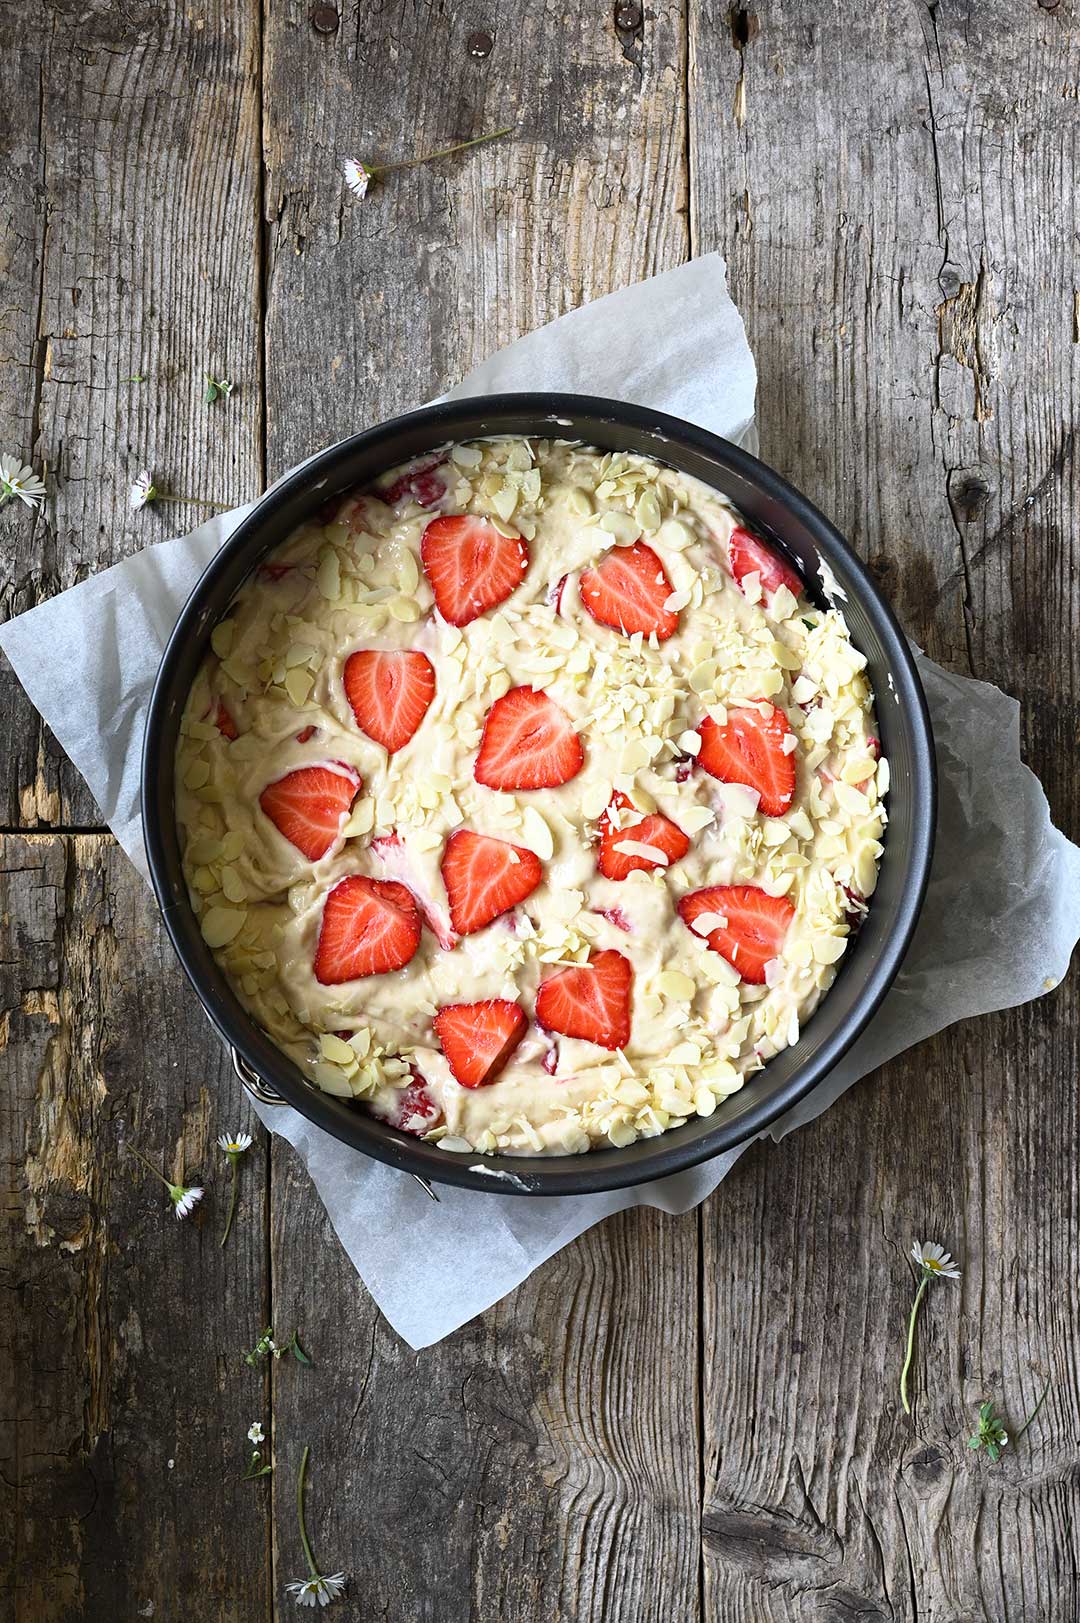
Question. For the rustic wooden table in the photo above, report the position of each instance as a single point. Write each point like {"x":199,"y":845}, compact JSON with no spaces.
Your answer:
{"x":675,"y":1419}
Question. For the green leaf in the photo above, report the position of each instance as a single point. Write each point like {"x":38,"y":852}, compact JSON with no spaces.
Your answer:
{"x":212,"y":391}
{"x":975,"y":1442}
{"x":298,"y":1352}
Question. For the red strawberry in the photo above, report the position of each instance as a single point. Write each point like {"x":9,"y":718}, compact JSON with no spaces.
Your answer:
{"x":308,"y":806}
{"x":391,"y":851}
{"x":389,"y":693}
{"x":555,"y":593}
{"x":471,"y":566}
{"x":413,"y":1109}
{"x":308,"y":732}
{"x":479,"y":1038}
{"x":756,"y":925}
{"x":420,"y":481}
{"x":369,"y":926}
{"x":275,"y":571}
{"x":617,"y":917}
{"x":591,"y":1002}
{"x":484,"y":877}
{"x":749,"y":748}
{"x":655,"y":830}
{"x":628,"y":590}
{"x":224,"y":723}
{"x":529,"y":742}
{"x":749,"y":555}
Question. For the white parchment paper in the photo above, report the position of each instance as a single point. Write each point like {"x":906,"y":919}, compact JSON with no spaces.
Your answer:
{"x":1002,"y":913}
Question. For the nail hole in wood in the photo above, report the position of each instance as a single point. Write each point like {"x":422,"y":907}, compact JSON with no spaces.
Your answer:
{"x":325,"y":19}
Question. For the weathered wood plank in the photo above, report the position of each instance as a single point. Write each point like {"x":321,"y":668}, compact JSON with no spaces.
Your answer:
{"x":373,"y":307}
{"x":129,"y":172}
{"x":122,"y":1439}
{"x":542,"y":1463}
{"x":912,"y":320}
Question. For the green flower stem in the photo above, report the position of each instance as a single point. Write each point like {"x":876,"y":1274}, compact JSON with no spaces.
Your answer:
{"x":1033,"y":1413}
{"x":312,"y":1568}
{"x":919,"y":1294}
{"x":150,"y":1167}
{"x":232,"y":1196}
{"x":429,"y":157}
{"x":191,"y":501}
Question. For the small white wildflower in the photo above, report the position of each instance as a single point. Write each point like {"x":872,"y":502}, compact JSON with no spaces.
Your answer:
{"x":20,"y":481}
{"x":317,"y":1591}
{"x":935,"y":1259}
{"x":357,"y":179}
{"x":235,"y":1145}
{"x":255,"y":1432}
{"x":217,"y":389}
{"x":142,"y":492}
{"x":184,"y":1200}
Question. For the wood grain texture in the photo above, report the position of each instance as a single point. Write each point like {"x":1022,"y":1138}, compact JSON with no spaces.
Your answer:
{"x":130,"y":179}
{"x":912,"y":320}
{"x":542,"y":1463}
{"x":674,"y":1419}
{"x":126,"y":1402}
{"x":374,"y":307}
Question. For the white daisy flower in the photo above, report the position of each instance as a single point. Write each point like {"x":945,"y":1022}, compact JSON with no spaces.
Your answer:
{"x":255,"y":1432}
{"x":18,"y":480}
{"x":317,"y":1591}
{"x":142,"y":492}
{"x":236,"y":1145}
{"x":185,"y":1200}
{"x":357,"y":179}
{"x":934,"y":1259}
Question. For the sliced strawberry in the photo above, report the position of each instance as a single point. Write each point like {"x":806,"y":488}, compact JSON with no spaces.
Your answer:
{"x":275,"y":571}
{"x":654,"y":830}
{"x":369,"y":927}
{"x":420,"y":481}
{"x":484,"y":877}
{"x":755,"y":929}
{"x":413,"y":1109}
{"x":628,"y":590}
{"x":479,"y":1038}
{"x":555,"y":593}
{"x":749,"y":748}
{"x":550,"y":1061}
{"x":617,"y":917}
{"x":471,"y":566}
{"x":391,"y":851}
{"x":529,"y":742}
{"x":307,"y":732}
{"x":223,"y":721}
{"x":749,"y":555}
{"x":591,"y":1002}
{"x":309,"y":805}
{"x":389,"y":693}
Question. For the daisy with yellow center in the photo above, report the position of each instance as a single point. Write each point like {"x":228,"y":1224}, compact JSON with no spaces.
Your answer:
{"x":933,"y":1262}
{"x":234,"y":1147}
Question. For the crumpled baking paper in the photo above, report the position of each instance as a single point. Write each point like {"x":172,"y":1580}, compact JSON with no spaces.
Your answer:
{"x":1002,"y":912}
